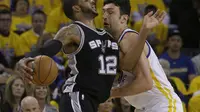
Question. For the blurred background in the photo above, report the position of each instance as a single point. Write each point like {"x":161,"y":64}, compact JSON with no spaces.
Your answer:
{"x":27,"y":24}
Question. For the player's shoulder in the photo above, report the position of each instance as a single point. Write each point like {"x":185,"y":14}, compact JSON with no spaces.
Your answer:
{"x":129,"y":36}
{"x":130,"y":33}
{"x":71,"y":27}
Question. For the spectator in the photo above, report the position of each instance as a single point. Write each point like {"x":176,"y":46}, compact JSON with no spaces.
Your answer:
{"x":14,"y":93}
{"x":166,"y":67}
{"x":42,"y":94}
{"x":31,"y":37}
{"x":181,"y":66}
{"x":9,"y":41}
{"x":56,"y":20}
{"x":158,"y":35}
{"x":30,"y":104}
{"x":21,"y":18}
{"x":5,"y":3}
{"x":44,"y":5}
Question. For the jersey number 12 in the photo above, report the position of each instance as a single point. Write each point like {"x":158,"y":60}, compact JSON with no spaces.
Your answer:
{"x":108,"y":65}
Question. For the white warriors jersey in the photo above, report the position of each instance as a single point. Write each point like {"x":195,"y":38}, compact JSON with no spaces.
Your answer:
{"x":162,"y":89}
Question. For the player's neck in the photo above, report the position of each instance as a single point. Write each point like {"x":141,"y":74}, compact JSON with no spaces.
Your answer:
{"x":87,"y":21}
{"x":117,"y":34}
{"x":173,"y":54}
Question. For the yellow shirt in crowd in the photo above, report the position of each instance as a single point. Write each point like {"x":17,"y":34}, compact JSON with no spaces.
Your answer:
{"x":193,"y":105}
{"x":5,"y":2}
{"x":46,"y":5}
{"x":98,"y":20}
{"x":194,"y":85}
{"x":56,"y":20}
{"x":29,"y":40}
{"x":12,"y":44}
{"x":136,"y":5}
{"x":21,"y":23}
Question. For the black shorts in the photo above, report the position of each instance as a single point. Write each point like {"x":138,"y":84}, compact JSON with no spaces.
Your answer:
{"x":77,"y":102}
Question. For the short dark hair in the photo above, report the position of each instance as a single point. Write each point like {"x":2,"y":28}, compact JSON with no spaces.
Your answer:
{"x":124,"y":5}
{"x":67,"y":8}
{"x":150,"y":8}
{"x":38,"y":11}
{"x":5,"y":11}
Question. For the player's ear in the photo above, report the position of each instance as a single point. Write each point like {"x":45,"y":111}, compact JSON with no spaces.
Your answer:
{"x":76,"y":8}
{"x":125,"y":18}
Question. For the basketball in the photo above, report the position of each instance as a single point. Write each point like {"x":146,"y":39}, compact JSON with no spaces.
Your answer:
{"x":45,"y":70}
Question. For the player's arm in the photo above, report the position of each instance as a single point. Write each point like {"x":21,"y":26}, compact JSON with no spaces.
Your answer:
{"x":132,"y":46}
{"x":142,"y":82}
{"x":137,"y":41}
{"x":63,"y":38}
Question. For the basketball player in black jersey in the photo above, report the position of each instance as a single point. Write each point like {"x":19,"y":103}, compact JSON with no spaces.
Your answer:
{"x":116,"y":15}
{"x":93,"y":58}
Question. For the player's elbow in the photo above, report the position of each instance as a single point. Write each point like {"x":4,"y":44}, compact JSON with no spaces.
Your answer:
{"x":149,"y":86}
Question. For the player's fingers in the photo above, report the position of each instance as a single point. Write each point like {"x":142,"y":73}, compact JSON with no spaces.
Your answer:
{"x":27,"y":81}
{"x":162,"y":16}
{"x":26,"y":75}
{"x":150,"y":14}
{"x":26,"y":62}
{"x":157,"y":13}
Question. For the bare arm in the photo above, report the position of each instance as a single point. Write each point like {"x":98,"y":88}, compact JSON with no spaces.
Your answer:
{"x":143,"y":81}
{"x":137,"y":42}
{"x":135,"y":45}
{"x":64,"y":37}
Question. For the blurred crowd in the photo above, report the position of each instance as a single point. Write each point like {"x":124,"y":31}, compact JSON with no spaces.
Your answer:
{"x":26,"y":25}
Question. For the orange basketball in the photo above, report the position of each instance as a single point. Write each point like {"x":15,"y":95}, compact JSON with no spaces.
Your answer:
{"x":45,"y":70}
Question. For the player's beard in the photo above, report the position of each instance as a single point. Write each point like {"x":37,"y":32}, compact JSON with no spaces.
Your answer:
{"x":90,"y":13}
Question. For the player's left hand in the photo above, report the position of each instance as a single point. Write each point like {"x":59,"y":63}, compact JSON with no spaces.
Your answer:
{"x":152,"y":20}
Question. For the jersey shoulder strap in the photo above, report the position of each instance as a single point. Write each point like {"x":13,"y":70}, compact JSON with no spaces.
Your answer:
{"x":126,"y":31}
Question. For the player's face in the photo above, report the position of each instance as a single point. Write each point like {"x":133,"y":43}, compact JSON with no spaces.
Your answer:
{"x":18,"y":88}
{"x":5,"y":22}
{"x":175,"y":43}
{"x":112,"y":18}
{"x":41,"y":92}
{"x":38,"y":22}
{"x":88,"y":7}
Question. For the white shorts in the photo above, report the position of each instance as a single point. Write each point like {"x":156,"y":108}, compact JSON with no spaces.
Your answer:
{"x":162,"y":107}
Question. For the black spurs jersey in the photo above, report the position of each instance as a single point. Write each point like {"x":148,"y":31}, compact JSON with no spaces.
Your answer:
{"x":94,"y":64}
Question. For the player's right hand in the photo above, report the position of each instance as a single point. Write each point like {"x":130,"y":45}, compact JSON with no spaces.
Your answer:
{"x":25,"y":72}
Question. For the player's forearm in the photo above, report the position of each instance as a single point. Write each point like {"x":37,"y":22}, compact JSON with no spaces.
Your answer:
{"x":143,"y":81}
{"x":132,"y":56}
{"x":137,"y":87}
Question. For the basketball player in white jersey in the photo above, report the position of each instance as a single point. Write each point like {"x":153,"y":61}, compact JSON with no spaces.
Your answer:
{"x":161,"y":97}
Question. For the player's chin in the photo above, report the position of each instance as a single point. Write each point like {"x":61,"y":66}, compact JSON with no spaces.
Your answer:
{"x":95,"y":13}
